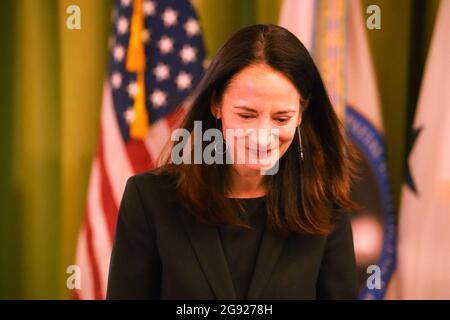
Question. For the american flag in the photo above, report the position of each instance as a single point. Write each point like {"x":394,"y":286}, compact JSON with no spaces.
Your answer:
{"x":170,"y":35}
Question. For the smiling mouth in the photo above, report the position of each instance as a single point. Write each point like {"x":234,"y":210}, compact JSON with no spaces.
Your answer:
{"x":259,"y":150}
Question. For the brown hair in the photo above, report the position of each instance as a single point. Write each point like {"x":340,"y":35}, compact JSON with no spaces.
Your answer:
{"x":301,"y":195}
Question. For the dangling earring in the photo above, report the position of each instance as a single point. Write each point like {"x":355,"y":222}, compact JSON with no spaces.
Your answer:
{"x":300,"y":142}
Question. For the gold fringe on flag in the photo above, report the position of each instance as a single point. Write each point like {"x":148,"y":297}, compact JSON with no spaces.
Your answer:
{"x":331,"y":49}
{"x":136,"y":63}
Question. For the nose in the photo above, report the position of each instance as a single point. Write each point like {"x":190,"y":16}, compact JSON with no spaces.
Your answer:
{"x":263,"y":138}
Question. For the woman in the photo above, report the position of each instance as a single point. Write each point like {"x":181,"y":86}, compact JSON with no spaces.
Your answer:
{"x":272,"y":228}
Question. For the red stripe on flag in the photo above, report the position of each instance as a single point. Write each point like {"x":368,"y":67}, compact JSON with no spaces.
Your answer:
{"x":109,"y":205}
{"x":92,"y":258}
{"x":75,"y":295}
{"x":175,"y":117}
{"x":138,"y":155}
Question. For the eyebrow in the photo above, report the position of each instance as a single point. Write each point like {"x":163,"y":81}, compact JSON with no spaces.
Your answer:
{"x":246,"y":108}
{"x":285,"y":111}
{"x":254,"y":110}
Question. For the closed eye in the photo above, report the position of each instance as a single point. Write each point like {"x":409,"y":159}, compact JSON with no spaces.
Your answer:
{"x":283,"y":119}
{"x":246,"y":115}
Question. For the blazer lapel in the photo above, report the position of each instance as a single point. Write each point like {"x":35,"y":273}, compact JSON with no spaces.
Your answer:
{"x":209,"y":251}
{"x":268,"y":254}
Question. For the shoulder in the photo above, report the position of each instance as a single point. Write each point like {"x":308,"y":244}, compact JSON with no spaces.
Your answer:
{"x":156,"y":188}
{"x":339,"y":216}
{"x":341,"y":226}
{"x":155,"y":180}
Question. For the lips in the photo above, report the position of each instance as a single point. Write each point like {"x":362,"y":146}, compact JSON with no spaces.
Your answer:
{"x":259,"y":150}
{"x":260,"y":153}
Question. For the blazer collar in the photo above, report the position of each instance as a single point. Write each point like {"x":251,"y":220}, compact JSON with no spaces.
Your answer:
{"x":209,"y":251}
{"x":268,"y":254}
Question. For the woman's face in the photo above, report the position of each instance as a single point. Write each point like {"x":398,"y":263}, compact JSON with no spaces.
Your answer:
{"x":260,"y":111}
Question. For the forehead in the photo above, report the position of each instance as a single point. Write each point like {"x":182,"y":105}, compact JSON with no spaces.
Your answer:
{"x":262,"y":85}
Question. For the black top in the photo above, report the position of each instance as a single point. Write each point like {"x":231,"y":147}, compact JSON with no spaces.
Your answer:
{"x":160,"y":251}
{"x":241,"y":245}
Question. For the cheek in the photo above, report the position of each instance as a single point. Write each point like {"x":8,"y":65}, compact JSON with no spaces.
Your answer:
{"x":233,"y":121}
{"x":235,"y":125}
{"x":287,"y":135}
{"x":226,"y":124}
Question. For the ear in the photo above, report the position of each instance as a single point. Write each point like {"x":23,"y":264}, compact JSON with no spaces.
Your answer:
{"x":299,"y":119}
{"x":215,"y":108}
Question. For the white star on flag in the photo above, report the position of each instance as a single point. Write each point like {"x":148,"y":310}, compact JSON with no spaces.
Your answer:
{"x":116,"y":80}
{"x":129,"y":115}
{"x":148,"y":7}
{"x":187,"y":54}
{"x":119,"y":53}
{"x":158,"y":98}
{"x":125,"y":3}
{"x":132,"y":89}
{"x":192,"y":27}
{"x":165,"y":44}
{"x":169,"y":17}
{"x":122,"y":25}
{"x":162,"y":72}
{"x":183,"y":80}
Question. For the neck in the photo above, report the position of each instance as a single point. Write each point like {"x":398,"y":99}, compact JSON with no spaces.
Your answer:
{"x":246,"y":185}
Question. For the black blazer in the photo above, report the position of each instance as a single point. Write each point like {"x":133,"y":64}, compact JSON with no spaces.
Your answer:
{"x":162,"y":252}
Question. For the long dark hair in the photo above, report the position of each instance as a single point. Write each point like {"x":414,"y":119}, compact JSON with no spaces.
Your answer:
{"x":302,"y":195}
